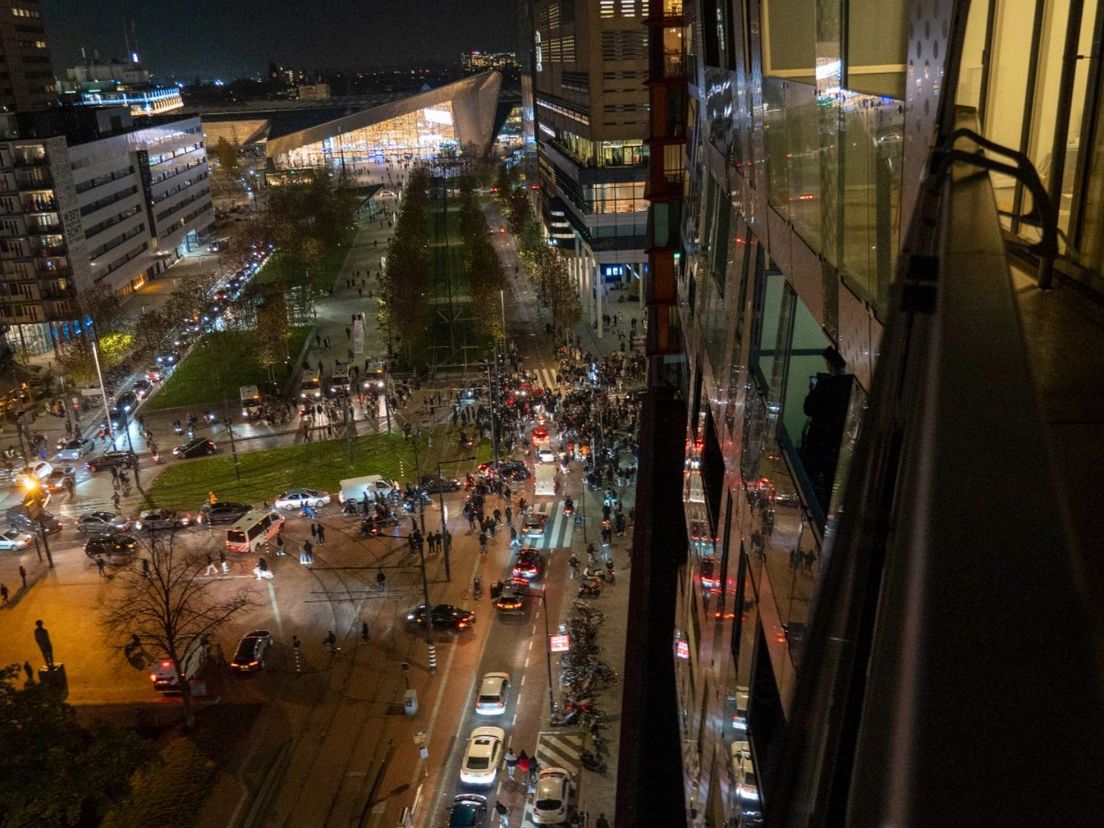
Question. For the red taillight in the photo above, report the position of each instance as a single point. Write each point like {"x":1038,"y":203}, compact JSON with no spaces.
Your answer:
{"x":166,"y":664}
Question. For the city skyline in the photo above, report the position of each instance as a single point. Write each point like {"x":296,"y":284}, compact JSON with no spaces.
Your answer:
{"x":237,"y":41}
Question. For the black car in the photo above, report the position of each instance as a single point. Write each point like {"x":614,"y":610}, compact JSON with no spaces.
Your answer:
{"x":223,"y":512}
{"x":112,"y":459}
{"x":445,"y":616}
{"x":512,"y":470}
{"x":468,"y":811}
{"x":127,"y":402}
{"x":199,"y":447}
{"x":435,"y":484}
{"x":251,"y":651}
{"x":158,"y":520}
{"x":111,"y":545}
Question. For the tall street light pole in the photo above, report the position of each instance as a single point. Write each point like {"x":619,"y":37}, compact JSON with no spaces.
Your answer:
{"x":103,"y":391}
{"x":547,"y":650}
{"x":447,"y":544}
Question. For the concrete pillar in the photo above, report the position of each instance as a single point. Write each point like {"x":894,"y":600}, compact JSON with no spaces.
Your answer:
{"x":599,"y":286}
{"x":641,"y":271}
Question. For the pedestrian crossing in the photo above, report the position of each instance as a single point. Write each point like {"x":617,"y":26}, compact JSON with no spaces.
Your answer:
{"x":546,"y":378}
{"x":555,"y":749}
{"x":558,"y":532}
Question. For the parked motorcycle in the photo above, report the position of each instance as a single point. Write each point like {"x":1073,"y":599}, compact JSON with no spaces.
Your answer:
{"x":592,"y":762}
{"x":590,"y":589}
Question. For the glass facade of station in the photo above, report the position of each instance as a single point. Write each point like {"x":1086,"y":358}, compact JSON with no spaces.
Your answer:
{"x":422,"y":135}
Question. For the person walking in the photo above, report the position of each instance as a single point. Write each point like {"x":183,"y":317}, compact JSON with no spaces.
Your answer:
{"x":321,"y":534}
{"x":145,"y":567}
{"x":100,"y":566}
{"x":4,"y":593}
{"x":364,"y":631}
{"x":523,"y":768}
{"x":511,"y":763}
{"x":601,"y":822}
{"x":23,"y":575}
{"x":42,"y":639}
{"x":211,"y":568}
{"x":331,"y":642}
{"x":223,"y":565}
{"x":314,"y":531}
{"x":573,"y":565}
{"x":307,"y":556}
{"x":381,"y":580}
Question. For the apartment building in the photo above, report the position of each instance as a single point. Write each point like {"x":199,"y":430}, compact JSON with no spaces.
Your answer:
{"x":94,"y":202}
{"x":26,"y":72}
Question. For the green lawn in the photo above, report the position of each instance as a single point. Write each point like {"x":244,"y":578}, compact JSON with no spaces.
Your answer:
{"x":319,"y":465}
{"x":279,"y":270}
{"x":218,"y":366}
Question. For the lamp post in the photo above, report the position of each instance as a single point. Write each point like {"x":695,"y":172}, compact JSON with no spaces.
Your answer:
{"x":130,"y":447}
{"x":34,"y":501}
{"x":103,"y":391}
{"x":547,"y":649}
{"x":444,"y":527}
{"x":431,"y":647}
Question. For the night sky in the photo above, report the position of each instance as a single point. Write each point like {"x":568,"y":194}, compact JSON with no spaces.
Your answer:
{"x":228,"y":38}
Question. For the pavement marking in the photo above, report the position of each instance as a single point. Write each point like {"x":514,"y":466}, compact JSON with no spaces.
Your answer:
{"x":275,"y":608}
{"x":522,"y":683}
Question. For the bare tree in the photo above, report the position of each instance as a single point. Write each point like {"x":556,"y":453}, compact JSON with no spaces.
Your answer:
{"x":168,"y":605}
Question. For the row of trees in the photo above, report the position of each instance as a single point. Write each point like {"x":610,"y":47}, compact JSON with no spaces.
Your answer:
{"x":481,"y":263}
{"x":405,"y":313}
{"x":545,"y":264}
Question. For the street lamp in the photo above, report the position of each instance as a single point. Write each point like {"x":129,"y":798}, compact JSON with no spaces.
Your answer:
{"x":431,"y":647}
{"x":547,"y":648}
{"x":34,"y":499}
{"x":103,"y":391}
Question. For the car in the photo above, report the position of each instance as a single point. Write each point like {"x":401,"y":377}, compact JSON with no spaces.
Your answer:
{"x":199,"y":447}
{"x":74,"y":449}
{"x":483,"y":756}
{"x":15,"y":540}
{"x":102,"y":523}
{"x":512,"y":470}
{"x":552,"y":800}
{"x":222,"y":512}
{"x":59,"y":478}
{"x":529,"y":565}
{"x":142,"y":388}
{"x":251,"y":651}
{"x":540,"y":435}
{"x":21,"y":519}
{"x":112,"y":459}
{"x":160,"y":520}
{"x":468,"y":811}
{"x":154,"y":373}
{"x":546,"y":455}
{"x":491,"y":698}
{"x":747,"y":788}
{"x":33,"y":474}
{"x":511,"y":598}
{"x":298,"y":498}
{"x":126,"y":402}
{"x":166,"y":358}
{"x":435,"y":484}
{"x":338,"y":386}
{"x":533,"y":525}
{"x":111,"y":546}
{"x":445,"y":616}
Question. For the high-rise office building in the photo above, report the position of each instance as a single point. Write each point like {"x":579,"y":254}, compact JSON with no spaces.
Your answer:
{"x":26,"y":73}
{"x":591,"y":109}
{"x":889,"y":287}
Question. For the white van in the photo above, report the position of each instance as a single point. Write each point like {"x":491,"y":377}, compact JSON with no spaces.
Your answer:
{"x":545,"y":485}
{"x":254,"y":529}
{"x":250,"y":401}
{"x":164,"y":676}
{"x":373,"y":485}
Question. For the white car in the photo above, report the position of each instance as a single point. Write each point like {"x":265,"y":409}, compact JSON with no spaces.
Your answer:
{"x":35,"y":473}
{"x":546,"y":455}
{"x":14,"y":539}
{"x":553,"y":797}
{"x":493,"y":691}
{"x":483,"y":756}
{"x":74,"y":449}
{"x":298,"y":498}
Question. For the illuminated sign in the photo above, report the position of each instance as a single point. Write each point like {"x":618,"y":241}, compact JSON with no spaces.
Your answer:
{"x":682,"y":650}
{"x":559,"y":643}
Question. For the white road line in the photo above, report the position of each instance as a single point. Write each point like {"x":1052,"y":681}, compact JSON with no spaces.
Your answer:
{"x":513,"y":722}
{"x":530,"y":644}
{"x":522,"y":682}
{"x":275,"y":608}
{"x":527,"y":662}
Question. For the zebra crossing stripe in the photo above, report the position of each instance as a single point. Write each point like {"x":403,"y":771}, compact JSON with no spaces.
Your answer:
{"x":560,"y":750}
{"x":559,"y":530}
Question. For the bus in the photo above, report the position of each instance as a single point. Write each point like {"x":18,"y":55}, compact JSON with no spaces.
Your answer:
{"x":254,"y":529}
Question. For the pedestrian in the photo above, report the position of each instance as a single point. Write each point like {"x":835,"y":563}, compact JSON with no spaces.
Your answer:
{"x":280,"y":544}
{"x":509,"y":514}
{"x":348,"y":333}
{"x":4,"y":593}
{"x":306,"y":557}
{"x":514,"y":542}
{"x":314,"y":531}
{"x":116,"y":500}
{"x":523,"y":767}
{"x":321,"y":533}
{"x":211,"y":569}
{"x":502,"y":810}
{"x":100,"y":565}
{"x":601,"y":822}
{"x":364,"y":630}
{"x":573,"y":565}
{"x":381,"y":580}
{"x":331,"y":642}
{"x":29,"y":671}
{"x":145,"y":567}
{"x":223,"y":565}
{"x":23,"y":575}
{"x":511,"y":762}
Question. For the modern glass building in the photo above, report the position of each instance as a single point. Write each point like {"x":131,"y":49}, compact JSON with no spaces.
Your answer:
{"x":883,"y":278}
